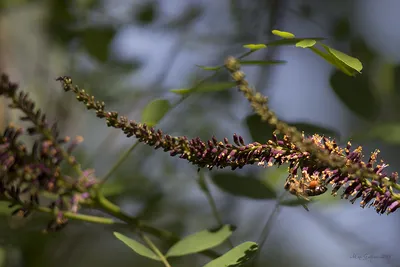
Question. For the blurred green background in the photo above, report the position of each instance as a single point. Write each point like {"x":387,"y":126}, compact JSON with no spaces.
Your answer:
{"x":129,"y":52}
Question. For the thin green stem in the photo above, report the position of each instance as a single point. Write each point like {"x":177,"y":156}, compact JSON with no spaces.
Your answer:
{"x":119,"y":162}
{"x":80,"y":217}
{"x":154,"y":248}
{"x":267,"y":228}
{"x":203,"y":185}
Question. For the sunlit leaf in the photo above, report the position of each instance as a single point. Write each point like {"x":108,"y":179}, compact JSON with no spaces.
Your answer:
{"x":262,"y":62}
{"x":243,"y":186}
{"x":351,"y":62}
{"x":235,"y":257}
{"x":334,"y":61}
{"x":97,"y":41}
{"x":137,"y":247}
{"x":285,"y":35}
{"x":200,"y":241}
{"x":155,"y":111}
{"x":356,"y":94}
{"x":306,"y":43}
{"x":204,"y":88}
{"x":255,"y":47}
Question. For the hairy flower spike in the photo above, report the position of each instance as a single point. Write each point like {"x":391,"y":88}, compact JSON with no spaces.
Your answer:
{"x":326,"y":154}
{"x":319,"y":160}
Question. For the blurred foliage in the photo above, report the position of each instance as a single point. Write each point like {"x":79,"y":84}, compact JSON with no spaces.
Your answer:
{"x":83,"y":30}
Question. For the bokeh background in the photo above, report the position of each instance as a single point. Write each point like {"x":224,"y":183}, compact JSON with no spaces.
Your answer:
{"x":129,"y":52}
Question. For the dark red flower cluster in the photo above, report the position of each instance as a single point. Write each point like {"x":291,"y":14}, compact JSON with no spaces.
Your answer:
{"x":313,"y":161}
{"x":27,"y":173}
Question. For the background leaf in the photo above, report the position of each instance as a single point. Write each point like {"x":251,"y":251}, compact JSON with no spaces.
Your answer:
{"x":244,"y":186}
{"x":207,"y":87}
{"x":356,"y":94}
{"x":97,"y":41}
{"x":310,"y":129}
{"x":341,"y":29}
{"x":274,"y":177}
{"x":260,"y":131}
{"x":137,"y":247}
{"x":235,"y":257}
{"x":155,"y":111}
{"x":146,"y":13}
{"x":388,"y":133}
{"x":200,"y":241}
{"x":360,"y":49}
{"x":3,"y":255}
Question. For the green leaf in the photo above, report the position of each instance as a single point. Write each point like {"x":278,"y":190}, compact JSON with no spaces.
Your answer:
{"x":200,"y":241}
{"x":262,"y":62}
{"x":334,"y":61}
{"x":3,"y":256}
{"x":255,"y":47}
{"x":137,"y":247}
{"x":146,"y":13}
{"x":97,"y":41}
{"x":155,"y":111}
{"x":341,"y":29}
{"x":4,"y":209}
{"x":260,"y":131}
{"x":349,"y":61}
{"x":274,"y":176}
{"x":360,"y":49}
{"x":306,"y":43}
{"x":356,"y":94}
{"x":388,"y":133}
{"x":243,"y":186}
{"x":396,"y":79}
{"x":213,"y":68}
{"x":205,"y":88}
{"x":235,"y":257}
{"x":112,"y":189}
{"x":285,"y":35}
{"x":310,"y":129}
{"x":292,"y":41}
